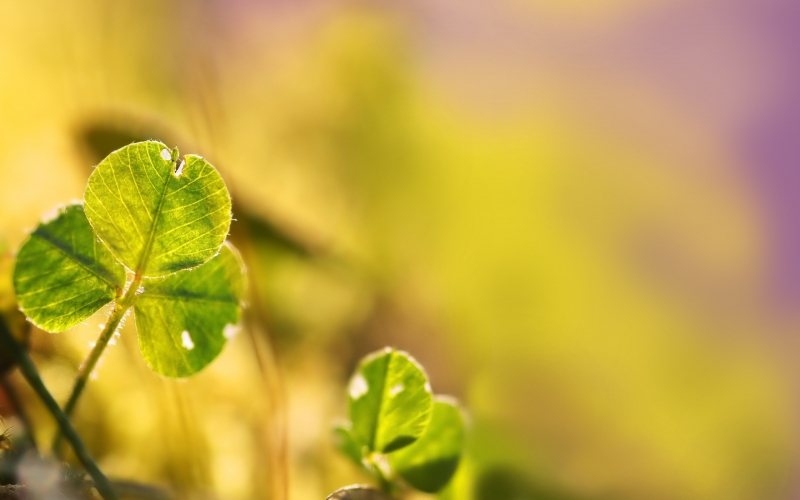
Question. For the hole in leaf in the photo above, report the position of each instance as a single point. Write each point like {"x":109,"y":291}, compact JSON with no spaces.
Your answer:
{"x":230,"y":331}
{"x":186,"y":340}
{"x":358,"y":387}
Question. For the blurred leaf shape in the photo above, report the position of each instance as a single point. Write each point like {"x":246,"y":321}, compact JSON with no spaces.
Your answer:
{"x":64,"y":274}
{"x":264,"y":231}
{"x":504,"y":482}
{"x":157,"y":213}
{"x":390,"y":401}
{"x":184,"y":319}
{"x":345,"y":443}
{"x":99,"y":138}
{"x":358,"y":492}
{"x":430,"y":462}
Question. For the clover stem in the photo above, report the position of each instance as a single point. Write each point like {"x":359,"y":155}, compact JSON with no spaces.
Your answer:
{"x":28,"y":370}
{"x":121,"y":307}
{"x":385,"y":478}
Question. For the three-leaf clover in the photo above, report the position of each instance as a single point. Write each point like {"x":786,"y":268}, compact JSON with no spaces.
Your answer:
{"x":397,"y":427}
{"x":150,"y":235}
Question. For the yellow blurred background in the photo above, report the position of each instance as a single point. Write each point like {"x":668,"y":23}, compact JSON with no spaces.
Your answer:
{"x":582,"y":217}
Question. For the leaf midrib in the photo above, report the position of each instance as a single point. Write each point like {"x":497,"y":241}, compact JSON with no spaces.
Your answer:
{"x":381,"y":401}
{"x":142,"y":264}
{"x":149,"y":295}
{"x":78,"y":261}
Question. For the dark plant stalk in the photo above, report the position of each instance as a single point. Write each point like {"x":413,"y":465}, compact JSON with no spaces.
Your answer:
{"x":19,"y":411}
{"x":28,"y":370}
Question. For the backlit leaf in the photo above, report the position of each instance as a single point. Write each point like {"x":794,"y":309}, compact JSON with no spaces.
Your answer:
{"x":390,"y":401}
{"x":184,"y":319}
{"x":63,"y":274}
{"x":430,"y":462}
{"x":157,"y":213}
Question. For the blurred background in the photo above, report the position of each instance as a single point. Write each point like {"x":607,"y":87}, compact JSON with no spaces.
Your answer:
{"x":582,"y":217}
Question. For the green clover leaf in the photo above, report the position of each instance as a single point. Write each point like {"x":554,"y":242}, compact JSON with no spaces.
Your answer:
{"x":185,"y":318}
{"x":397,"y":429}
{"x":64,"y":274}
{"x":165,"y":219}
{"x":390,"y":401}
{"x":157,"y":213}
{"x":430,"y":462}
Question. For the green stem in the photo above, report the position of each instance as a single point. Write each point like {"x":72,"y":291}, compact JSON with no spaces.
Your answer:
{"x":28,"y":370}
{"x":121,"y":307}
{"x":385,"y":480}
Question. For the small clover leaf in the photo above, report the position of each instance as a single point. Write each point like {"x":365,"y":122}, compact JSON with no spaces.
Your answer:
{"x":183,"y":319}
{"x":157,"y":213}
{"x":397,"y":429}
{"x":64,"y":274}
{"x":431,"y":461}
{"x":390,"y":401}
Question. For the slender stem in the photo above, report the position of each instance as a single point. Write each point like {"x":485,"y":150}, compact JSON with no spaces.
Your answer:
{"x":121,"y":307}
{"x":87,"y":367}
{"x":385,"y":479}
{"x":28,"y":370}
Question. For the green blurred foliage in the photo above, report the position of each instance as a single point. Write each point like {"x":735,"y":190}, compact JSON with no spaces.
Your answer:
{"x":593,"y":300}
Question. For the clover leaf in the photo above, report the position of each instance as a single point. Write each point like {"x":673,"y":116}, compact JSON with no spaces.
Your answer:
{"x":430,"y":462}
{"x":157,"y":213}
{"x":390,"y":401}
{"x":165,"y":219}
{"x":185,"y":318}
{"x":397,"y":429}
{"x":64,"y":274}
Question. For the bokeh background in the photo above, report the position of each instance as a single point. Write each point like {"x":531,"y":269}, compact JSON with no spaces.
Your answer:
{"x":581,"y":216}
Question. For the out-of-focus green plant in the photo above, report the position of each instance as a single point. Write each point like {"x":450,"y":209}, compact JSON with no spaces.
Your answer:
{"x":5,"y":439}
{"x":150,"y":236}
{"x":398,"y":431}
